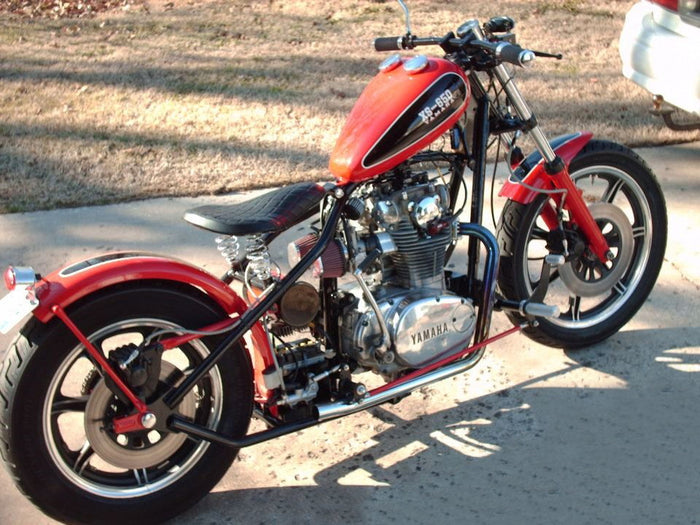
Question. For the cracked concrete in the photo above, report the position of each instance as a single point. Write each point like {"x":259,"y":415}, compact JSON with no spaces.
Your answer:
{"x":683,"y":276}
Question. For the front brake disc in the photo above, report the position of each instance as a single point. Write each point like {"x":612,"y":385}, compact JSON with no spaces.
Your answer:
{"x":585,"y":275}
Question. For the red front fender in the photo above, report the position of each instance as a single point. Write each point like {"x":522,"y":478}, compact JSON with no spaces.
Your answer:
{"x":74,"y":282}
{"x":566,"y":146}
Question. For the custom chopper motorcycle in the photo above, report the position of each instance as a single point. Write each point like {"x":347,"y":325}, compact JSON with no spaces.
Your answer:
{"x":129,"y":391}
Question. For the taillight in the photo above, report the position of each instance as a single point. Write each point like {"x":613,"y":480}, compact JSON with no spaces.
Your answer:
{"x":19,"y":276}
{"x":10,"y":279}
{"x":668,"y":4}
{"x":689,"y":10}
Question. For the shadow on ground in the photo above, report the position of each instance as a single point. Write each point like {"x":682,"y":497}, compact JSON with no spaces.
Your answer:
{"x":533,"y":452}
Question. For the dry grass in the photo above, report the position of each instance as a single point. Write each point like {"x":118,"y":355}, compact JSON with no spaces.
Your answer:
{"x":184,"y":98}
{"x":63,"y":8}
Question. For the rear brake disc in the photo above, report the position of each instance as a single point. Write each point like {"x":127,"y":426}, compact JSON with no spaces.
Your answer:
{"x":133,"y":450}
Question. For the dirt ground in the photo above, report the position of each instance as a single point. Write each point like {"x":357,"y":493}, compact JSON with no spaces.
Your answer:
{"x":208,"y":97}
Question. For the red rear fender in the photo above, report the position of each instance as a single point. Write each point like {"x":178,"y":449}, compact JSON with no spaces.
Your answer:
{"x":77,"y":281}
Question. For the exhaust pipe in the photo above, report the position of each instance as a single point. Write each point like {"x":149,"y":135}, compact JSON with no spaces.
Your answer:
{"x":328,"y":411}
{"x":325,"y":412}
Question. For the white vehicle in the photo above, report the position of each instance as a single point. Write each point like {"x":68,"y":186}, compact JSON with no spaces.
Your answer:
{"x":660,"y":51}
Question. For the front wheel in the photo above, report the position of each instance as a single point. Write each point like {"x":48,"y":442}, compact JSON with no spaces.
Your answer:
{"x":596,"y":300}
{"x":55,"y":429}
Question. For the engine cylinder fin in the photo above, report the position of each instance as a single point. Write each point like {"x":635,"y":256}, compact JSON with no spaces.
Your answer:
{"x":418,"y":258}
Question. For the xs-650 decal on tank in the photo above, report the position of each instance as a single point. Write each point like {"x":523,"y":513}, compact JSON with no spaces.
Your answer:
{"x":410,"y":103}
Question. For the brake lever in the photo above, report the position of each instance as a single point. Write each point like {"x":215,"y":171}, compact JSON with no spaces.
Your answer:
{"x":558,"y":56}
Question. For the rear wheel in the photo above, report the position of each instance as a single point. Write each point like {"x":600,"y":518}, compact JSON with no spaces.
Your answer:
{"x":596,"y":300}
{"x":58,"y":441}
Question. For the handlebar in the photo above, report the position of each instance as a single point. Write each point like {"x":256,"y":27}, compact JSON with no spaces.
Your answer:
{"x":503,"y":51}
{"x":398,"y":43}
{"x":389,"y":43}
{"x":507,"y":52}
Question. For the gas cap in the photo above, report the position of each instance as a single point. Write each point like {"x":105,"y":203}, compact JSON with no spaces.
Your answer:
{"x":416,"y":64}
{"x":390,"y":63}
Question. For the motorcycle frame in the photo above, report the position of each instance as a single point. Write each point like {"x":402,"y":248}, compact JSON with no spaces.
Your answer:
{"x":550,"y":173}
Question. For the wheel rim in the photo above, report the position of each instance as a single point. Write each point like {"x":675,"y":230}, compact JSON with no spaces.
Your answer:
{"x":64,"y":418}
{"x":600,"y":184}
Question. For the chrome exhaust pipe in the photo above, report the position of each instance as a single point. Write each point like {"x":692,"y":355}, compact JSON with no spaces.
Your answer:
{"x":328,"y":411}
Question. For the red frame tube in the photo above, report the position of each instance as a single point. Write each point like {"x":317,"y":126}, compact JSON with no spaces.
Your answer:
{"x":174,"y":342}
{"x":261,"y":361}
{"x":101,"y":360}
{"x":445,"y":361}
{"x":134,"y":422}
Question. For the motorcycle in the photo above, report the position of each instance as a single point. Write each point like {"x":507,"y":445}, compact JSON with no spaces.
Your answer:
{"x":130,"y":389}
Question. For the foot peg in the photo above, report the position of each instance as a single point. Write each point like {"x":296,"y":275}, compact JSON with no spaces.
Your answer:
{"x":538,"y":309}
{"x":528,"y":308}
{"x":554,"y":259}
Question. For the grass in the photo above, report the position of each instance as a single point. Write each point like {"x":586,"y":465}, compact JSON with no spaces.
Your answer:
{"x":208,"y":97}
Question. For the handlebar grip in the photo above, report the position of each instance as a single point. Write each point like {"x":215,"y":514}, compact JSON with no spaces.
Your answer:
{"x":388,"y":43}
{"x":514,"y":54}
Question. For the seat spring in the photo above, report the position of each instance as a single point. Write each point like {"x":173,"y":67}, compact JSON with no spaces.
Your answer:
{"x":229,"y":247}
{"x":258,"y":257}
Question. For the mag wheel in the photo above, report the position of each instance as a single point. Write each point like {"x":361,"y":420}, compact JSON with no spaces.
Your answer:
{"x":596,"y":300}
{"x":59,"y":444}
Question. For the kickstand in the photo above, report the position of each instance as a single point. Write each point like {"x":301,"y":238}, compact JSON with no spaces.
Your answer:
{"x":533,"y":306}
{"x":550,"y":263}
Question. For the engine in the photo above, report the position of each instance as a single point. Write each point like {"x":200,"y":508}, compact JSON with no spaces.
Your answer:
{"x":397,"y":313}
{"x":422,"y":326}
{"x":414,"y":218}
{"x":421,"y":319}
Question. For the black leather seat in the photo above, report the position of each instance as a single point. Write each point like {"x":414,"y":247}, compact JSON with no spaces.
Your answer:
{"x":273,"y":211}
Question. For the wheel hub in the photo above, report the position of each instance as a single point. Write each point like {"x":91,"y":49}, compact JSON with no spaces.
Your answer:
{"x":586,"y":276}
{"x":135,"y":450}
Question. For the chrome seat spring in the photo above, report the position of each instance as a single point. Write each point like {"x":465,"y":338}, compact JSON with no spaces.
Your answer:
{"x":258,"y":256}
{"x":230,"y":248}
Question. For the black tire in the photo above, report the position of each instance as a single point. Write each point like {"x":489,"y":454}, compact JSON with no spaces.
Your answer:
{"x":44,"y":424}
{"x":594,"y":304}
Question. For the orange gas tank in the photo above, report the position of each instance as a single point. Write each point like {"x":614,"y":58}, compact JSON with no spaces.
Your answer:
{"x":409,"y":104}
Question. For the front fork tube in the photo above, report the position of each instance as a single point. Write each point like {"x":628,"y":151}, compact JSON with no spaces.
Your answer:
{"x":557,"y":171}
{"x":580,"y":214}
{"x":480,"y":144}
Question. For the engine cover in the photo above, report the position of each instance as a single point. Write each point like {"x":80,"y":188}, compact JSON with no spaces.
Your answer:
{"x":422,"y":327}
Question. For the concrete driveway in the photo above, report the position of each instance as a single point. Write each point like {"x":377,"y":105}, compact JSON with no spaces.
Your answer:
{"x":609,"y":434}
